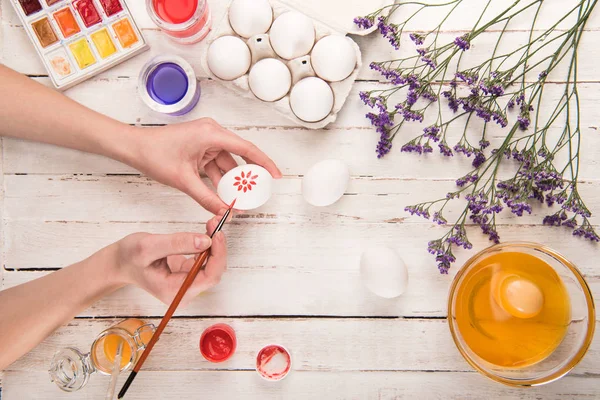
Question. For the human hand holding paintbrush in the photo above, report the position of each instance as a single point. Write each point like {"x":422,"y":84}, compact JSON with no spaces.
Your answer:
{"x":199,"y":264}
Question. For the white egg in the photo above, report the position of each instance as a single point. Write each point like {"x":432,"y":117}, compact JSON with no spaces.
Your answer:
{"x":311,"y":99}
{"x":383,"y":272}
{"x":292,"y":35}
{"x":325,"y":182}
{"x":249,"y":185}
{"x":270,"y":79}
{"x":250,"y":17}
{"x":334,"y":58}
{"x":228,"y":57}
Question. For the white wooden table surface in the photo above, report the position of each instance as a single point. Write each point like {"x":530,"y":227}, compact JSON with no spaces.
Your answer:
{"x":293,"y":270}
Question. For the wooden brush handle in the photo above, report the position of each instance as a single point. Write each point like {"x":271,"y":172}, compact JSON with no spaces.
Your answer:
{"x":189,"y":279}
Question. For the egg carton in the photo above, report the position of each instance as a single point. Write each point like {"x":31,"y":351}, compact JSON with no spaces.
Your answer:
{"x":341,"y":89}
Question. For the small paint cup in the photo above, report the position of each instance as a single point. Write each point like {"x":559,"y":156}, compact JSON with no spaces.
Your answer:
{"x":273,"y":362}
{"x":218,"y":343}
{"x":185,"y":22}
{"x":167,"y":84}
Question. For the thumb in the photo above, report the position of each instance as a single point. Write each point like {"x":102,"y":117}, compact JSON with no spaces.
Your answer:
{"x":157,"y":247}
{"x":197,"y":190}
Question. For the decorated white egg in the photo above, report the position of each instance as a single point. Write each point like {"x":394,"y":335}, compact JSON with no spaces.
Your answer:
{"x":228,"y":57}
{"x":249,"y":185}
{"x":311,"y":99}
{"x":334,"y":58}
{"x":325,"y":182}
{"x":270,"y":79}
{"x":292,"y":35}
{"x":383,"y":272}
{"x":250,"y":17}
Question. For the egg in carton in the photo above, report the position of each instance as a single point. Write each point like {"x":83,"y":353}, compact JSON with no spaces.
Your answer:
{"x":273,"y":51}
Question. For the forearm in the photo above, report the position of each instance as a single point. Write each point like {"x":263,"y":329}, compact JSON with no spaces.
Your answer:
{"x":29,"y":110}
{"x":32,"y":311}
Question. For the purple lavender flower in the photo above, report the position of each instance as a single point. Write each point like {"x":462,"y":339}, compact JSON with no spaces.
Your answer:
{"x":431,"y":63}
{"x":419,"y":210}
{"x":364,"y":22}
{"x":479,"y":159}
{"x":463,"y":42}
{"x":431,"y":132}
{"x":510,"y":104}
{"x":383,"y":147}
{"x":366,"y":98}
{"x":542,"y":75}
{"x":484,"y":144}
{"x":417,"y":38}
{"x":463,"y":148}
{"x":412,"y":97}
{"x":458,"y":237}
{"x":412,"y":147}
{"x":390,"y":32}
{"x":445,"y":150}
{"x":421,"y":51}
{"x":469,"y":178}
{"x":428,"y":94}
{"x":468,"y":77}
{"x":439,"y":219}
{"x":500,"y":118}
{"x":586,"y":231}
{"x":524,"y":122}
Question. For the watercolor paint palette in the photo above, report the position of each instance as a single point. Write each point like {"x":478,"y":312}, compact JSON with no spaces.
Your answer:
{"x":77,"y":39}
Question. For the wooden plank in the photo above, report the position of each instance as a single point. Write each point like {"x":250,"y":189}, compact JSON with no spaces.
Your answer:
{"x":19,"y":53}
{"x":303,"y":247}
{"x":355,"y":146}
{"x":373,"y":47}
{"x":316,"y":345}
{"x":138,"y":199}
{"x":243,"y":112}
{"x":293,"y":291}
{"x":306,"y":385}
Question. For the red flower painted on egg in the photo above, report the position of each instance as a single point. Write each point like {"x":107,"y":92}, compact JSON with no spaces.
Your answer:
{"x":245,"y":181}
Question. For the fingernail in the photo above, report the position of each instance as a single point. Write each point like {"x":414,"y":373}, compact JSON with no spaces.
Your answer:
{"x":201,"y":242}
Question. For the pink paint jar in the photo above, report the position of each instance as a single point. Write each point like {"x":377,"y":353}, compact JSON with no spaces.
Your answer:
{"x":273,"y":362}
{"x":184,"y":21}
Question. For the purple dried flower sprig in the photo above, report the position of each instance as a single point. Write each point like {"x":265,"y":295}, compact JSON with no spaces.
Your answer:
{"x":497,"y":92}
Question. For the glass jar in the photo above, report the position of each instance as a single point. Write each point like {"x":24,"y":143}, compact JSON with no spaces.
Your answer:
{"x":70,"y":369}
{"x":185,"y":22}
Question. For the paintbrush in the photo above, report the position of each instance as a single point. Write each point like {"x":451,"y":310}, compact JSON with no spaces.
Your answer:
{"x":196,"y":268}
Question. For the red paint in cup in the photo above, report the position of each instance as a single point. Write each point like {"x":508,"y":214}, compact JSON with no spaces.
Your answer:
{"x":185,"y":21}
{"x":273,"y":362}
{"x":218,"y":343}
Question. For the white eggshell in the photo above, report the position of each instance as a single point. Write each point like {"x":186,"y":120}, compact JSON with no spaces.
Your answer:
{"x":325,"y":182}
{"x":311,"y":99}
{"x":250,"y":17}
{"x":250,"y":185}
{"x":383,"y":272}
{"x":270,"y":79}
{"x":228,"y":57}
{"x":333,"y":58}
{"x":292,"y":35}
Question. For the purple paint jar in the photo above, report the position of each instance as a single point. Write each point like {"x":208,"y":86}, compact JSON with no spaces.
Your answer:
{"x":168,"y":85}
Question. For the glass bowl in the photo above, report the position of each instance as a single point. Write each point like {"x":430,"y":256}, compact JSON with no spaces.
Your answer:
{"x":580,"y":329}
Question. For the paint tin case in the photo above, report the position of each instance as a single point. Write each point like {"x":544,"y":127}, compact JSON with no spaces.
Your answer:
{"x":77,"y":39}
{"x":334,"y":17}
{"x":168,"y":85}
